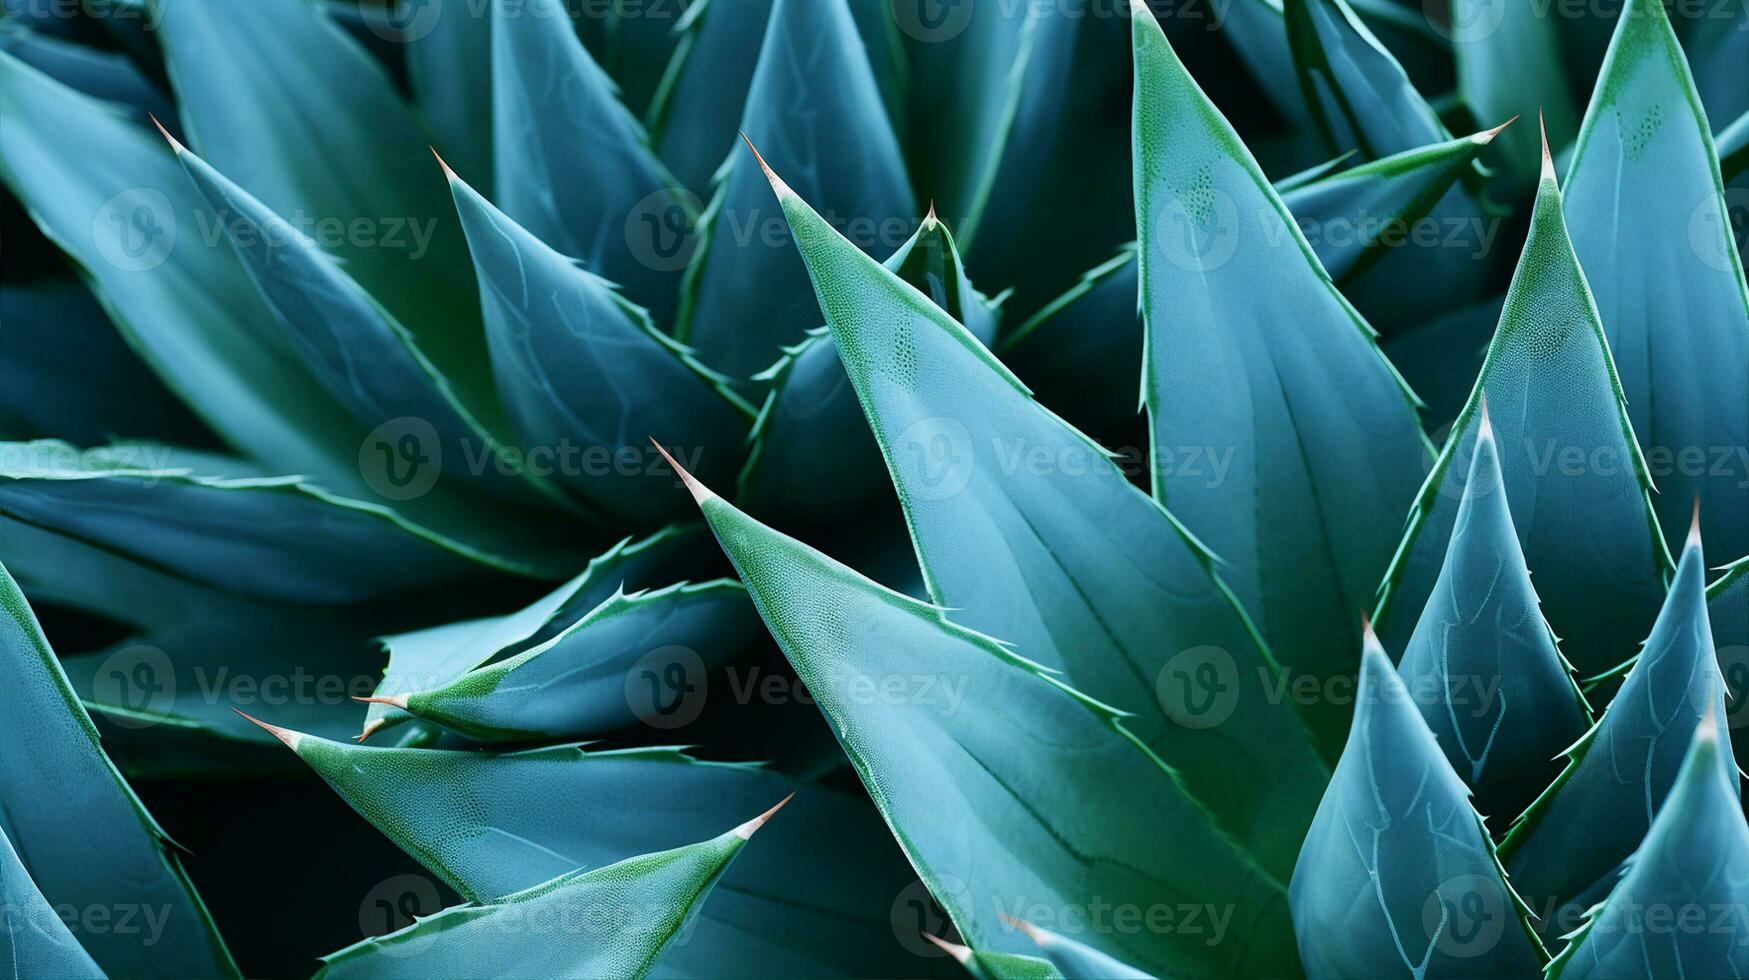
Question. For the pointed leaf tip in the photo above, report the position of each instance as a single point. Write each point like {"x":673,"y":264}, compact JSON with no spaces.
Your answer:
{"x":175,"y":144}
{"x":1694,"y":525}
{"x":700,"y":492}
{"x":1486,"y":136}
{"x":447,"y":172}
{"x":777,"y":183}
{"x":393,"y":700}
{"x":745,"y":831}
{"x":1040,"y":938}
{"x":961,"y":954}
{"x":1485,"y":426}
{"x":286,"y":735}
{"x":1548,"y":158}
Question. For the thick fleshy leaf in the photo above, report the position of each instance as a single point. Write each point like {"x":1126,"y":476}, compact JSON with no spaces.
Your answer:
{"x":284,"y":102}
{"x":931,"y":714}
{"x":115,"y":860}
{"x":1482,"y":665}
{"x":586,"y":377}
{"x":1562,"y":858}
{"x":1717,"y":44}
{"x":1652,"y":228}
{"x":273,"y":538}
{"x":1253,"y":359}
{"x":1398,"y":874}
{"x":982,"y":965}
{"x":1509,"y":64}
{"x":449,"y":69}
{"x":1441,"y":358}
{"x":1028,"y":530}
{"x":1573,"y":473}
{"x":106,"y":75}
{"x":1728,"y":608}
{"x":35,"y":942}
{"x":616,"y":921}
{"x":574,"y":167}
{"x":1693,"y":867}
{"x":613,"y":668}
{"x":1075,"y":961}
{"x":693,"y":117}
{"x":113,"y":197}
{"x":431,"y":658}
{"x":815,"y":902}
{"x":810,"y":430}
{"x":814,"y":106}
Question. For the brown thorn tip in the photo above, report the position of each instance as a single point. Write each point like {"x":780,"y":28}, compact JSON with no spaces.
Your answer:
{"x":447,"y":172}
{"x":1548,"y":158}
{"x":777,"y":183}
{"x":1486,"y":136}
{"x":392,"y":700}
{"x":175,"y":144}
{"x":286,"y":735}
{"x":746,"y":830}
{"x":700,"y":492}
{"x":370,"y":728}
{"x":1032,"y":932}
{"x":955,"y":950}
{"x":1694,"y":525}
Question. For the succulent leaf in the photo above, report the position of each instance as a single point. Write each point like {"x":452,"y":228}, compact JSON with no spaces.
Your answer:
{"x":1086,"y":810}
{"x":1359,"y":94}
{"x":814,"y":106}
{"x":35,"y":942}
{"x":1562,"y":859}
{"x":1075,"y":961}
{"x":1509,"y":64}
{"x":115,"y":856}
{"x":1251,"y":352}
{"x":1689,"y":877}
{"x":1652,"y":228}
{"x":449,"y":69}
{"x":1728,"y":609}
{"x":692,"y":117}
{"x":617,"y":921}
{"x":1482,"y":664}
{"x":1398,"y":868}
{"x":1574,"y":476}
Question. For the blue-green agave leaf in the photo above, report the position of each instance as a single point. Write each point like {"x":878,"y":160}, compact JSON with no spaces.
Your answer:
{"x":1693,"y":868}
{"x":432,"y":657}
{"x":814,"y":903}
{"x":1059,"y":802}
{"x":1255,"y":364}
{"x":1509,"y":64}
{"x":276,"y":538}
{"x":1483,"y":665}
{"x":1564,"y":859}
{"x":449,"y":69}
{"x":1441,"y":357}
{"x":637,"y":657}
{"x":586,"y":375}
{"x":983,"y":965}
{"x":1573,"y":473}
{"x":1029,"y":531}
{"x":1398,"y":868}
{"x":1728,"y":608}
{"x":113,"y":197}
{"x":618,"y":921}
{"x":810,"y":431}
{"x":279,"y":98}
{"x":1652,"y":227}
{"x":1256,"y":30}
{"x":814,"y":106}
{"x":1732,"y":144}
{"x":639,"y":39}
{"x":692,"y":118}
{"x":107,"y":75}
{"x":1716,"y":41}
{"x":36,"y":942}
{"x":574,"y":167}
{"x":1075,"y":961}
{"x":114,"y":859}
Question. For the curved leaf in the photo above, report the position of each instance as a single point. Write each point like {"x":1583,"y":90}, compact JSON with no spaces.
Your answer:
{"x":1728,"y":608}
{"x":1652,"y":228}
{"x":115,"y":858}
{"x":1509,"y":64}
{"x":1252,"y":353}
{"x":281,"y":99}
{"x":493,"y":824}
{"x":573,"y":166}
{"x":35,"y":942}
{"x":1562,"y":858}
{"x":617,"y":921}
{"x":1574,"y":476}
{"x":1695,"y":859}
{"x":586,"y":680}
{"x":1398,"y":868}
{"x":586,"y":377}
{"x":449,"y":69}
{"x":1483,"y":665}
{"x":814,"y":105}
{"x":931,"y":714}
{"x":693,"y":116}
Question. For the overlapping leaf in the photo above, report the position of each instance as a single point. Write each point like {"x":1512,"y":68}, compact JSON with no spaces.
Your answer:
{"x":1252,"y":356}
{"x":1653,"y":232}
{"x":693,"y":116}
{"x":35,"y":942}
{"x":1509,"y":64}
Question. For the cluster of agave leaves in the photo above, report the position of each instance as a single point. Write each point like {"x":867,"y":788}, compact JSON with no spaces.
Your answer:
{"x":255,"y":454}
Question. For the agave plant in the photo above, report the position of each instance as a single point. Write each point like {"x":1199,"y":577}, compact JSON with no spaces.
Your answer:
{"x":323,"y":442}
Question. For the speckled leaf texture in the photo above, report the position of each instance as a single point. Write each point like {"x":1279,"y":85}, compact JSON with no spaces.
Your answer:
{"x":1254,"y":355}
